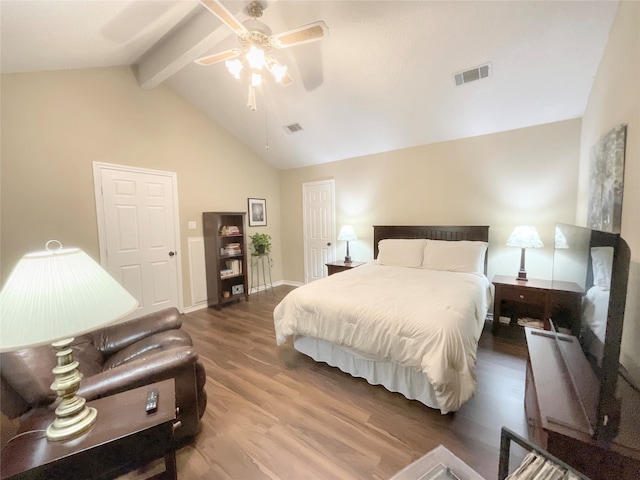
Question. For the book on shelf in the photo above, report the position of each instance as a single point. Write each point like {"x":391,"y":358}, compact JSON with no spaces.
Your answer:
{"x":232,"y":249}
{"x":235,"y":266}
{"x":226,"y":272}
{"x":229,"y":230}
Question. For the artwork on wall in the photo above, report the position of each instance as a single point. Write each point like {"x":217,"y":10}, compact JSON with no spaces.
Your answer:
{"x":257,"y":212}
{"x":606,"y":181}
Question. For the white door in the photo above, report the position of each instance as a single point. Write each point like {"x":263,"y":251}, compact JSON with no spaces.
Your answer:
{"x":139,"y":236}
{"x":319,"y":228}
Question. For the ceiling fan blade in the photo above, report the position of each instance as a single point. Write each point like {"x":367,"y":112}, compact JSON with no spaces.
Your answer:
{"x":306,"y":33}
{"x":218,"y":57}
{"x":308,"y":59}
{"x":225,"y":16}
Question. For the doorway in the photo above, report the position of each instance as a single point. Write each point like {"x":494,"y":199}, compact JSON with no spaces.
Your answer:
{"x":319,"y":228}
{"x":138,"y":230}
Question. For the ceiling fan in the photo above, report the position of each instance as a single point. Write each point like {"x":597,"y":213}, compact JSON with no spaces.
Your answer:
{"x":256,"y":41}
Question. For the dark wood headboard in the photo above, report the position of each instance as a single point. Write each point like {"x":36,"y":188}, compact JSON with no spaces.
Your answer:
{"x":448,"y":233}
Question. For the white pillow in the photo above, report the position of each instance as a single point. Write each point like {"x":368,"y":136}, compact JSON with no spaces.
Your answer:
{"x":602,"y":262}
{"x":401,"y":252}
{"x":455,"y":256}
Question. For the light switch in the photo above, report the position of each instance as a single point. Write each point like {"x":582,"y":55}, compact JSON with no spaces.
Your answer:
{"x":192,"y":225}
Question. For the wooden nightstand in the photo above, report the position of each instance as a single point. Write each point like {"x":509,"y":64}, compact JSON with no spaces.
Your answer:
{"x":537,"y":299}
{"x":335,"y":267}
{"x":123,"y":438}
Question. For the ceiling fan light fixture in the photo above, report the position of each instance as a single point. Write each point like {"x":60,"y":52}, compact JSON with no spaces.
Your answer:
{"x":256,"y":40}
{"x":256,"y":79}
{"x":251,"y":99}
{"x":278,"y":71}
{"x":256,"y":58}
{"x":234,"y":67}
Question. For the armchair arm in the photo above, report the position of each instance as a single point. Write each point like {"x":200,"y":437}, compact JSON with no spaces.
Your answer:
{"x":116,"y":337}
{"x":148,"y":369}
{"x":166,"y":340}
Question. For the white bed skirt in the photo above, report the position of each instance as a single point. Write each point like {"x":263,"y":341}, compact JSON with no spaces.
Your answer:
{"x":410,"y":382}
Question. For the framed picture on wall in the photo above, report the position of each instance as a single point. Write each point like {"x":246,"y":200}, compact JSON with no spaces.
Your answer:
{"x":606,"y":181}
{"x":257,"y":212}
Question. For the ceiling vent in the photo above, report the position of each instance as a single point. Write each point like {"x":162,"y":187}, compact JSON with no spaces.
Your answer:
{"x":473,"y":74}
{"x":293,"y":128}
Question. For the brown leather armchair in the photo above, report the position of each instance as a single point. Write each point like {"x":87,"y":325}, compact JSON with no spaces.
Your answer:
{"x":114,"y":359}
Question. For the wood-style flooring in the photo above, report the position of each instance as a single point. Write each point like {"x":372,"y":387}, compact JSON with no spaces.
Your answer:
{"x":274,"y":413}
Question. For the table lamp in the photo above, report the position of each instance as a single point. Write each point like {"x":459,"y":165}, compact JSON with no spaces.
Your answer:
{"x":50,"y":297}
{"x":348,"y":234}
{"x":524,"y":237}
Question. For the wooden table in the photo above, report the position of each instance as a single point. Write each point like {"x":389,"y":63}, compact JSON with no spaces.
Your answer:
{"x":335,"y":267}
{"x":123,"y":438}
{"x":541,"y":299}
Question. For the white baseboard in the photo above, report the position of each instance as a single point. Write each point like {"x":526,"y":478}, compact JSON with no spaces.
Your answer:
{"x":203,"y":305}
{"x":291,"y":283}
{"x":195,"y":308}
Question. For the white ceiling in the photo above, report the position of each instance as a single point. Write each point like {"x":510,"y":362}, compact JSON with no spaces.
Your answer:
{"x":381,"y":81}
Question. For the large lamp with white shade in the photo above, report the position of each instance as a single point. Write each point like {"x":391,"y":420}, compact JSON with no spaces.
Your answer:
{"x":50,"y":297}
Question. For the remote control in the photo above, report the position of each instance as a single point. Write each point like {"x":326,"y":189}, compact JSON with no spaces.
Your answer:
{"x":152,"y":401}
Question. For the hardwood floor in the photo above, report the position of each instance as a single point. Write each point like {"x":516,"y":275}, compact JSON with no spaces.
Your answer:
{"x":274,"y":413}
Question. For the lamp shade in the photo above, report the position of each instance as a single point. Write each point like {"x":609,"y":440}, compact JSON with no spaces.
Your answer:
{"x":347,"y":233}
{"x":56,"y":294}
{"x":524,"y":236}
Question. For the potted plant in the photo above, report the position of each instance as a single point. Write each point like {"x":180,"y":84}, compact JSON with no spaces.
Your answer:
{"x":261,"y":243}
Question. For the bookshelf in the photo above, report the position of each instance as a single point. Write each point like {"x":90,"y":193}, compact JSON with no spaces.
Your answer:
{"x":225,"y":253}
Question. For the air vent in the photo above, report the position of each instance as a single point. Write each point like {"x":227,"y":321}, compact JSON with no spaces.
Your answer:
{"x":473,"y":74}
{"x":293,"y":128}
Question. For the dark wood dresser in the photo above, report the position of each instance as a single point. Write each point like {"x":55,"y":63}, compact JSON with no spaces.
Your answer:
{"x":556,"y":421}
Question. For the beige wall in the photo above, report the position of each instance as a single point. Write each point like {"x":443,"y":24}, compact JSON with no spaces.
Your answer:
{"x":54,"y":125}
{"x":525,"y":176}
{"x":615,"y":99}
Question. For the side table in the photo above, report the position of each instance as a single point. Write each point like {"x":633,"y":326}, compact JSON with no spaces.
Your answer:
{"x":123,"y":438}
{"x":335,"y":267}
{"x":542,"y":299}
{"x":259,"y":265}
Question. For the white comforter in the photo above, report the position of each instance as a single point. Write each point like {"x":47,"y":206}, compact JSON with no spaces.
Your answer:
{"x":429,"y":320}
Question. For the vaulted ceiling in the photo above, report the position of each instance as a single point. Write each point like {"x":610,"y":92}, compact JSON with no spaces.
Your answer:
{"x":382,"y":80}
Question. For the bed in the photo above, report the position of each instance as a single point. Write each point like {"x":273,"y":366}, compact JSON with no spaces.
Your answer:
{"x":410,"y":320}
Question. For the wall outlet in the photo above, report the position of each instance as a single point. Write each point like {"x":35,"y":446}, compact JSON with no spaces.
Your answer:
{"x":192,"y":225}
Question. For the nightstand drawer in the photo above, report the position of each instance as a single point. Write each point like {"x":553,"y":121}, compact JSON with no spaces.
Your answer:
{"x":517,"y":294}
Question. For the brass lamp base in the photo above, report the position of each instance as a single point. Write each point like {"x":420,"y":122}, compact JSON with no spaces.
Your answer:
{"x":522,"y":273}
{"x":74,"y":417}
{"x":347,"y":257}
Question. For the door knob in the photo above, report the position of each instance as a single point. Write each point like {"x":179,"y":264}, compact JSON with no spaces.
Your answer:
{"x":171,"y":254}
{"x":328,"y":244}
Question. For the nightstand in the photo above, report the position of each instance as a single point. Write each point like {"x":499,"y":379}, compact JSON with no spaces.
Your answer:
{"x":124,"y":437}
{"x":537,"y":299}
{"x":335,"y":267}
